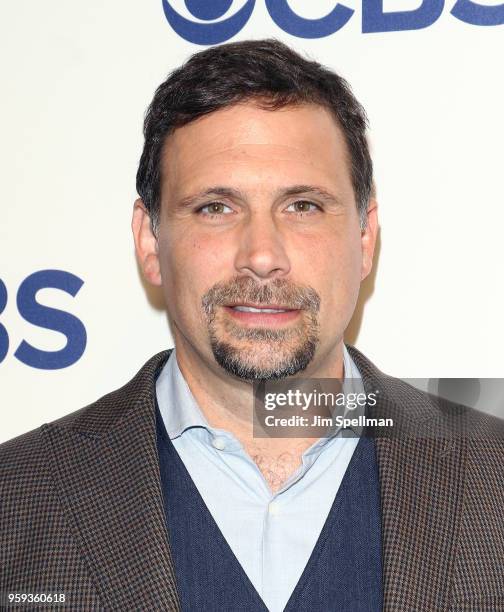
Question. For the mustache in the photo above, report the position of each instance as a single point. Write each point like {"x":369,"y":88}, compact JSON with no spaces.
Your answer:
{"x":247,"y":289}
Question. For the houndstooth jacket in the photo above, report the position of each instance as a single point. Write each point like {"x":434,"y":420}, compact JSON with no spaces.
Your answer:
{"x":81,"y":508}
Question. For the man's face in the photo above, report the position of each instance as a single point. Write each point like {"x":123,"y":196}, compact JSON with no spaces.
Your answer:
{"x":260,"y":251}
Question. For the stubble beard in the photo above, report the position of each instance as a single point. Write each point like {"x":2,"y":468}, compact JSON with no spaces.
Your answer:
{"x":262,"y":353}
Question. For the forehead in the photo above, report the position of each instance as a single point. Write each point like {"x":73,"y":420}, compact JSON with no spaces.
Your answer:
{"x":302,"y":139}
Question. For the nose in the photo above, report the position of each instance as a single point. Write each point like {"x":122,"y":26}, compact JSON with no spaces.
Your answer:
{"x":261,"y":248}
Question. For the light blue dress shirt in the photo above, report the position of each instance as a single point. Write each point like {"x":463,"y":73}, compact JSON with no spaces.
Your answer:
{"x":271,"y":534}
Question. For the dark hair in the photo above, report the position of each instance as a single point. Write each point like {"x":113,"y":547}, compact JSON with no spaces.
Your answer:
{"x":266,"y":71}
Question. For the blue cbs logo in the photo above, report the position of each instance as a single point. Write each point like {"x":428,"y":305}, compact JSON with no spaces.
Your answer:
{"x":208,"y":22}
{"x":46,"y":317}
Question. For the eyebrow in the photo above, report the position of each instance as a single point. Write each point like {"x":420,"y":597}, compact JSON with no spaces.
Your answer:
{"x":229,"y":192}
{"x":320,"y":192}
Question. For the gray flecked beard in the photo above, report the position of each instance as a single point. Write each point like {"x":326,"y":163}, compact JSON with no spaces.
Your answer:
{"x":279,"y":363}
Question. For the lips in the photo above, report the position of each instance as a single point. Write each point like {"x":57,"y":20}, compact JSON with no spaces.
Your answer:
{"x":262,"y":314}
{"x":261,"y":308}
{"x":251,"y":309}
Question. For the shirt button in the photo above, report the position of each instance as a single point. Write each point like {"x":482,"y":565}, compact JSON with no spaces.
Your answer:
{"x":219,"y":443}
{"x":273,"y":508}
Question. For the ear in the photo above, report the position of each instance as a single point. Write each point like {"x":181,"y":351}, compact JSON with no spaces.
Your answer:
{"x":146,"y":244}
{"x":368,"y":238}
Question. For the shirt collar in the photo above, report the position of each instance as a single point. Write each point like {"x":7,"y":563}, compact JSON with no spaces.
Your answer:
{"x":176,"y":402}
{"x":180,"y":411}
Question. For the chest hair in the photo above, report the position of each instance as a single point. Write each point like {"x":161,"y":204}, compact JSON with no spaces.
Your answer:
{"x":277,"y":469}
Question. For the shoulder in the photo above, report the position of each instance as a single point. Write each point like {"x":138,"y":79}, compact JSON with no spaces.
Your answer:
{"x":20,"y":456}
{"x":422,"y":414}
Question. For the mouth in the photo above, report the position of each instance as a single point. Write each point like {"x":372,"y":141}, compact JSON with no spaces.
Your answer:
{"x":262,"y":314}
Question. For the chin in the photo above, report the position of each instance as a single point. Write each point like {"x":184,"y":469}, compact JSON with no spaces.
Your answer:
{"x":265,"y":362}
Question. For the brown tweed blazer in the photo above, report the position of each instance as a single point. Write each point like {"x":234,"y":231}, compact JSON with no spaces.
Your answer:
{"x":81,"y":508}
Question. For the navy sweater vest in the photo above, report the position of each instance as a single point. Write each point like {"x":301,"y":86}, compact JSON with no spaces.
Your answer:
{"x":343,"y":574}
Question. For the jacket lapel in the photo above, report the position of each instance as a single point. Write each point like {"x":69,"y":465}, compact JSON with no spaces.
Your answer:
{"x":105,"y":464}
{"x":421,"y":482}
{"x":421,"y":491}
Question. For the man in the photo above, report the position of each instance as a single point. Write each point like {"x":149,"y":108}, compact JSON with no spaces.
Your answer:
{"x":257,"y":218}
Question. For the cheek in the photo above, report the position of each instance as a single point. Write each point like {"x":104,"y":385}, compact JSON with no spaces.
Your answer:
{"x":190,"y":264}
{"x":331,"y":264}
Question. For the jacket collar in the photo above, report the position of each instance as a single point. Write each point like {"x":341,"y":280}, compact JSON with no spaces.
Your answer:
{"x":105,"y":465}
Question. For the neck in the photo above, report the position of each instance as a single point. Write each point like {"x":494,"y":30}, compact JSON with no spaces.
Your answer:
{"x":227,"y":402}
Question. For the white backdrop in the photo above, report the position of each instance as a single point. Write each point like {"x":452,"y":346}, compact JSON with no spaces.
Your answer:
{"x":76,"y":79}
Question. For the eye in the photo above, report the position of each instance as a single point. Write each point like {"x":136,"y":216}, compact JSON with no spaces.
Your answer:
{"x":302,"y":206}
{"x":214,"y":208}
